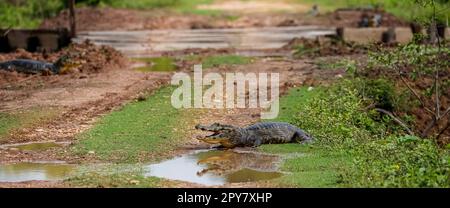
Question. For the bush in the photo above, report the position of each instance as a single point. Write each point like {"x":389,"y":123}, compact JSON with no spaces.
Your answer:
{"x":400,"y":162}
{"x":336,"y":119}
{"x":27,"y":14}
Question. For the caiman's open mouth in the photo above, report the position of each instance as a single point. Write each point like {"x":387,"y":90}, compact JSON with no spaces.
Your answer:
{"x":215,"y":137}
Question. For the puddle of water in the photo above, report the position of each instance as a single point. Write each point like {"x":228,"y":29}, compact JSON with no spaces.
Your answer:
{"x":158,"y":64}
{"x":217,"y":167}
{"x":34,"y":146}
{"x":27,"y":171}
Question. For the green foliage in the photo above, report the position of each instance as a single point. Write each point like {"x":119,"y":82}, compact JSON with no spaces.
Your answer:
{"x":352,"y":149}
{"x":335,"y":118}
{"x":418,"y":10}
{"x":419,"y":59}
{"x":27,"y":14}
{"x":379,"y":92}
{"x":400,"y":162}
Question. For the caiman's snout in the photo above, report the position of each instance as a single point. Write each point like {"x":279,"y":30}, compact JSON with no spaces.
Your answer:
{"x":201,"y":127}
{"x":217,"y":137}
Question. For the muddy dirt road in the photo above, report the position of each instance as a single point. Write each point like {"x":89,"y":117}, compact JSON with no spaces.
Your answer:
{"x":81,"y":99}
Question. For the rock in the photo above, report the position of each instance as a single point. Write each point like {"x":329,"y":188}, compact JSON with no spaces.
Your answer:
{"x":14,"y":149}
{"x":135,"y":182}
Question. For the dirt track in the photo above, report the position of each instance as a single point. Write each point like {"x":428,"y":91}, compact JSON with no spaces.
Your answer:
{"x":84,"y":97}
{"x":99,"y":19}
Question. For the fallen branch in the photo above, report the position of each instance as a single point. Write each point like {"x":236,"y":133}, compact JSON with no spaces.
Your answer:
{"x":416,"y":95}
{"x":7,"y":31}
{"x":397,"y":120}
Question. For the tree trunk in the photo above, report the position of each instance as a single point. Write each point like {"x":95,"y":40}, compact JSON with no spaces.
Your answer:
{"x":73,"y":27}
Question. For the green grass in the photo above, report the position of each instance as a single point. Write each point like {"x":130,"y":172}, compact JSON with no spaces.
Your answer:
{"x":95,"y":180}
{"x":220,"y":60}
{"x":291,"y":103}
{"x":309,"y":166}
{"x":9,"y":122}
{"x":158,"y":64}
{"x":112,"y":176}
{"x":138,"y":131}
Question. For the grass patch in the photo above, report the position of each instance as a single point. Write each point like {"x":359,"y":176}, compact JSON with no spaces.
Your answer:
{"x":95,"y":180}
{"x":220,"y":60}
{"x":138,"y":131}
{"x":9,"y":122}
{"x":318,"y":168}
{"x":112,"y":176}
{"x":293,"y":101}
{"x":158,"y":64}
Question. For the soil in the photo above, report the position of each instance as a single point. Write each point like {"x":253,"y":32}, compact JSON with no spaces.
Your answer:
{"x":322,"y":46}
{"x":92,"y":19}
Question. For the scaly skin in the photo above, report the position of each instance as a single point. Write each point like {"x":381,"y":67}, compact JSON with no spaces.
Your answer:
{"x":33,"y":67}
{"x":254,"y":135}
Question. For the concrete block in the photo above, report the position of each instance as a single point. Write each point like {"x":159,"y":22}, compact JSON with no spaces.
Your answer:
{"x":363,"y":35}
{"x":403,"y":35}
{"x":374,"y":35}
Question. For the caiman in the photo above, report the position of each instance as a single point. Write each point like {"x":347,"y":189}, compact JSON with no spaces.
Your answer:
{"x":260,"y":133}
{"x":34,"y":67}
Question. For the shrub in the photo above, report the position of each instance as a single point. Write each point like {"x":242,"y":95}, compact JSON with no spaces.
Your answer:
{"x":400,"y":162}
{"x":336,"y":119}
